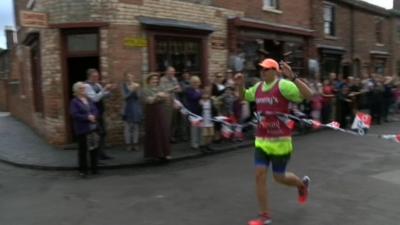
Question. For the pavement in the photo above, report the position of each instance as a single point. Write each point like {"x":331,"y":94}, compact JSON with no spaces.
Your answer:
{"x":355,"y":181}
{"x":22,"y":147}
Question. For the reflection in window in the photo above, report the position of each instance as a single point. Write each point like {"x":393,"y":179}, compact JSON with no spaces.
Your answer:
{"x":296,"y":57}
{"x":182,"y":54}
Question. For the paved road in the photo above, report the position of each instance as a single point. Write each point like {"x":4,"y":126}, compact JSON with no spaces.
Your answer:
{"x":356,"y":181}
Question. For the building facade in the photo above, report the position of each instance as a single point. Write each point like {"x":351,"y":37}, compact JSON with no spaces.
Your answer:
{"x":199,"y":36}
{"x":353,"y":38}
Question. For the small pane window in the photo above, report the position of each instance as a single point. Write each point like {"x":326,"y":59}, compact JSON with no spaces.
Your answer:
{"x":379,"y":31}
{"x":329,"y":20}
{"x":181,"y":53}
{"x":271,"y":4}
{"x":82,"y":42}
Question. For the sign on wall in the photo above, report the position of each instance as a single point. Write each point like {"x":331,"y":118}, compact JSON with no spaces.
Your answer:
{"x":33,"y":19}
{"x":218,"y":43}
{"x":135,"y":42}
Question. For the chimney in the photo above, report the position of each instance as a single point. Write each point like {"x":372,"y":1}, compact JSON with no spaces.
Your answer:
{"x":396,"y":5}
{"x":10,"y":37}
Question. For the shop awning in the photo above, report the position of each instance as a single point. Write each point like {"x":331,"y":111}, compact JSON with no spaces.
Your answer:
{"x":177,"y":24}
{"x":269,"y":26}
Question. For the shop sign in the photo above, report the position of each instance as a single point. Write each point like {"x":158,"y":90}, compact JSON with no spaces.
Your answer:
{"x":218,"y":43}
{"x":33,"y":19}
{"x":135,"y":42}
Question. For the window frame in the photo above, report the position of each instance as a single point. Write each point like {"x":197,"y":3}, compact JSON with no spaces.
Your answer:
{"x":271,"y":7}
{"x":379,"y":31}
{"x":331,"y":22}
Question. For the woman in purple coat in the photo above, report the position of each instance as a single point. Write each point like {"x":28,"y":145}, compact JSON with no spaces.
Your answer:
{"x":84,"y":116}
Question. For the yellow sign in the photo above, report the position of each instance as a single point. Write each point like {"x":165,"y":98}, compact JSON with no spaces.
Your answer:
{"x":135,"y":42}
{"x":33,"y":19}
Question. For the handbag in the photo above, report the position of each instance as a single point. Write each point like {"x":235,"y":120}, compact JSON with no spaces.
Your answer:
{"x":93,"y":140}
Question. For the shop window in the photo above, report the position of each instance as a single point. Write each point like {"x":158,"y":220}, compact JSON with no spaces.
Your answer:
{"x":329,"y":20}
{"x":346,"y":70}
{"x":379,"y":31}
{"x":296,"y":56}
{"x":271,"y":4}
{"x":181,"y":53}
{"x":330,"y":64}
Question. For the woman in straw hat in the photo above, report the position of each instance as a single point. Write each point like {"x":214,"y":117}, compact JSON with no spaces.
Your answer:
{"x":156,"y":141}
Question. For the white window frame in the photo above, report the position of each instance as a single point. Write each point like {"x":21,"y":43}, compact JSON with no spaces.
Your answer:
{"x":333,"y":22}
{"x":379,"y":25}
{"x":271,"y":5}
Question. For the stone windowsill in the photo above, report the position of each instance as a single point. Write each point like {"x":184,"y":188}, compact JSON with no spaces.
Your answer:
{"x":329,"y":37}
{"x":272,"y":10}
{"x":380,"y":44}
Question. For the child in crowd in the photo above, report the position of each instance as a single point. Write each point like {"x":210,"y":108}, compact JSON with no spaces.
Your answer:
{"x":208,"y":112}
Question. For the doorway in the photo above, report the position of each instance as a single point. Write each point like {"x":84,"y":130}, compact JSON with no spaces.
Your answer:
{"x":81,"y":52}
{"x":77,"y":67}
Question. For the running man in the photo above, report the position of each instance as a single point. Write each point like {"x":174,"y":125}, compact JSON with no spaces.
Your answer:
{"x":273,"y":143}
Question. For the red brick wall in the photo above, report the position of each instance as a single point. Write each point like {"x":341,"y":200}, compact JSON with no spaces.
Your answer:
{"x":294,"y":13}
{"x":116,"y":60}
{"x":364,"y":39}
{"x":395,"y":46}
{"x":19,"y":86}
{"x":342,"y":28}
{"x":3,"y":95}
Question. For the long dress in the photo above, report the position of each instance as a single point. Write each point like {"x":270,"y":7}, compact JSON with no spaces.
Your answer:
{"x":156,"y":140}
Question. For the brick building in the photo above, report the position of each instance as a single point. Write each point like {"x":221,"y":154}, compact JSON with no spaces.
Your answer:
{"x":201,"y":36}
{"x":354,"y":37}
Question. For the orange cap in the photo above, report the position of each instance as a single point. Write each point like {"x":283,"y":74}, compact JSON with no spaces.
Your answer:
{"x":270,"y":64}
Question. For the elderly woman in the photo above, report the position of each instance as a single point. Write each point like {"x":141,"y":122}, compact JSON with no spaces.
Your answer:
{"x":132,"y":112}
{"x":84,"y":115}
{"x":193,"y":96}
{"x":156,"y":143}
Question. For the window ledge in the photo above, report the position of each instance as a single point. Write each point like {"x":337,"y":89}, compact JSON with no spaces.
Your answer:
{"x":272,"y":10}
{"x":380,"y":44}
{"x":329,"y":37}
